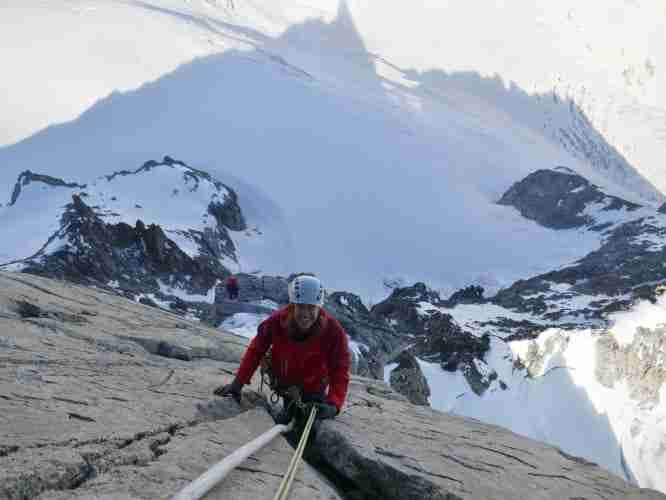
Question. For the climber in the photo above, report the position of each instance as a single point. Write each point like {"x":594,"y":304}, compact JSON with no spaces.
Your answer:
{"x":309,"y":352}
{"x":232,"y":287}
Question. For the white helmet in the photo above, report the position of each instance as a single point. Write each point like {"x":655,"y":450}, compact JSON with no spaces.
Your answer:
{"x":306,"y":290}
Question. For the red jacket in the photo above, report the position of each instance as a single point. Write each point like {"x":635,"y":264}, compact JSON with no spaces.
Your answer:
{"x":316,"y":364}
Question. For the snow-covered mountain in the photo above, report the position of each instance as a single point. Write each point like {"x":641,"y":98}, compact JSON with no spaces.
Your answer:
{"x":513,"y":146}
{"x":372,"y":143}
{"x":162,"y":231}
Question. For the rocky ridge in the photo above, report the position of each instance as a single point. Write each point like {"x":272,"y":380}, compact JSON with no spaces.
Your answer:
{"x":109,"y":235}
{"x":626,"y":267}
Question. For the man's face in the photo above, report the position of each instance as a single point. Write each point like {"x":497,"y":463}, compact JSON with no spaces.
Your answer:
{"x":305,"y":315}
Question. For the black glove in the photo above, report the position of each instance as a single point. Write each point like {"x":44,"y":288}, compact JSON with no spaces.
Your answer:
{"x":326,"y":410}
{"x":233,"y":389}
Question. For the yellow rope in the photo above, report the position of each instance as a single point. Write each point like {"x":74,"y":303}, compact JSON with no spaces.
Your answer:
{"x":283,"y":490}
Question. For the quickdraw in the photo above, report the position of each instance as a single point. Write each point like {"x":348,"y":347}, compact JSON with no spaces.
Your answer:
{"x":268,"y":378}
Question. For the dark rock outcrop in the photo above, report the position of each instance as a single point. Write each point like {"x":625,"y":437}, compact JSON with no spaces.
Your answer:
{"x":557,"y":199}
{"x":377,"y":341}
{"x":403,"y":309}
{"x":472,"y":294}
{"x":626,"y":261}
{"x":408,"y":380}
{"x":455,"y":349}
{"x":94,"y":252}
{"x":662,"y":209}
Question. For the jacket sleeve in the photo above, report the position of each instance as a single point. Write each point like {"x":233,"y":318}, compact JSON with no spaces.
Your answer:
{"x":255,"y":352}
{"x":339,"y":374}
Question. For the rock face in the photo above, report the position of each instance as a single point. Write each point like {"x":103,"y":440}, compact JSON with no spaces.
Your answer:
{"x":641,"y":364}
{"x":662,"y":209}
{"x":455,"y":349}
{"x":558,"y":198}
{"x":435,"y":336}
{"x":99,"y":400}
{"x":408,"y":379}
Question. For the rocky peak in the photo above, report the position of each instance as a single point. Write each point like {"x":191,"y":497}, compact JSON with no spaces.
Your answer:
{"x":349,"y":301}
{"x":662,"y":209}
{"x":472,"y":294}
{"x":227,"y":212}
{"x":558,"y":199}
{"x":408,"y":308}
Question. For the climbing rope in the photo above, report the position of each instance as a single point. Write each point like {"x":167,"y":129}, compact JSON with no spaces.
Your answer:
{"x":204,"y":483}
{"x":285,"y":485}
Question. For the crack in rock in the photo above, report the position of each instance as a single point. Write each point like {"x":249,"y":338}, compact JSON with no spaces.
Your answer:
{"x":508,"y":455}
{"x":8,"y":450}
{"x":465,"y":464}
{"x":28,"y":486}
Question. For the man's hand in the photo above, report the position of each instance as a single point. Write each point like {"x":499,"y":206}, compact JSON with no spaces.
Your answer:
{"x":234,"y":390}
{"x":326,"y":410}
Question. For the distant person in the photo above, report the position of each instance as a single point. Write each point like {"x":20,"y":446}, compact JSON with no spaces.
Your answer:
{"x":232,"y":287}
{"x":309,"y":352}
